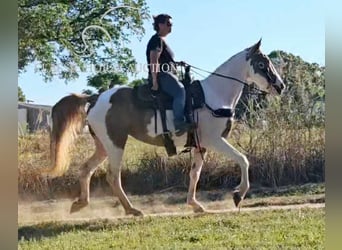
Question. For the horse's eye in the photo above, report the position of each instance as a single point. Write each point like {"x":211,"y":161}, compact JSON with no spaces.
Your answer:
{"x":261,"y":65}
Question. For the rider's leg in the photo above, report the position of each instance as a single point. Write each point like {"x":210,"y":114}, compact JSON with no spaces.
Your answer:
{"x":170,"y":84}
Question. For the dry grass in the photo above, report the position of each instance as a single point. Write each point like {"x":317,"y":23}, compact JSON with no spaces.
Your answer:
{"x":273,"y":163}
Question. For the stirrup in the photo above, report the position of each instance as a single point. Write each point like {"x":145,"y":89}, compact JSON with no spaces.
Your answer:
{"x":169,"y":145}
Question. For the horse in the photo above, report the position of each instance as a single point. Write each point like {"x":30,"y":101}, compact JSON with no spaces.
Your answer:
{"x":113,"y":115}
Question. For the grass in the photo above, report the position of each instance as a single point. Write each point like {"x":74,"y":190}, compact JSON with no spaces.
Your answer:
{"x":272,"y":229}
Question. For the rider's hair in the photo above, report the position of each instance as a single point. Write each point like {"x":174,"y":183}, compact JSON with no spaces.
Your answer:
{"x":161,"y":18}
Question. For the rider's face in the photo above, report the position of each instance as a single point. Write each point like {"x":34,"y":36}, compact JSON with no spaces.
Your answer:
{"x":165,"y":28}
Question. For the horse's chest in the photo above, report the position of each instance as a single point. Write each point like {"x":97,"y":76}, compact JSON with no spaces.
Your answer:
{"x":213,"y":128}
{"x":222,"y":126}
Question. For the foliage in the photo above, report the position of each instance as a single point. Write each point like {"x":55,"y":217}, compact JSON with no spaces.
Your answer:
{"x":88,"y":92}
{"x":104,"y":81}
{"x":282,"y":229}
{"x":56,"y":34}
{"x":305,"y":86}
{"x":21,"y":96}
{"x":137,"y":82}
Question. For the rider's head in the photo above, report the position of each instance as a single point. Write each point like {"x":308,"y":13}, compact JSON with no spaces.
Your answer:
{"x":162,"y":24}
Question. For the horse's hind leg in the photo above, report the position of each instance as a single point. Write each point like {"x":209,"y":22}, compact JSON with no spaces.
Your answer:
{"x":87,"y":171}
{"x":195,"y":173}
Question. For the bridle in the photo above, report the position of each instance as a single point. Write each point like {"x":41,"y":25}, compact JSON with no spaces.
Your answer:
{"x":226,"y":77}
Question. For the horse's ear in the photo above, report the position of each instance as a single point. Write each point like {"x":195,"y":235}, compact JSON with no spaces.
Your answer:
{"x":252,"y":50}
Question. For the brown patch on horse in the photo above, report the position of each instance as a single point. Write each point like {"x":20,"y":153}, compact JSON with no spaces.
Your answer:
{"x":125,"y":118}
{"x":261,"y":65}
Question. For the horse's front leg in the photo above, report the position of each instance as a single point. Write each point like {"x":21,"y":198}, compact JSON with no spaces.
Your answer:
{"x":195,"y":173}
{"x":221,"y":145}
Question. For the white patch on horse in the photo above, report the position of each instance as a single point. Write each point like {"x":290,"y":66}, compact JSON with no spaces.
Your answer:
{"x":178,"y":140}
{"x":97,"y":118}
{"x":216,"y":91}
{"x":169,"y":123}
{"x":86,"y":107}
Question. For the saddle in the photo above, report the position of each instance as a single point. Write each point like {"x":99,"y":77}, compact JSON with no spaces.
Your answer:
{"x":194,"y":100}
{"x":194,"y":96}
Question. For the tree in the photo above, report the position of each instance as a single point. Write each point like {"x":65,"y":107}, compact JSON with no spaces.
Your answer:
{"x":104,"y":81}
{"x":62,"y":36}
{"x":21,"y":96}
{"x":137,"y":82}
{"x":88,"y":92}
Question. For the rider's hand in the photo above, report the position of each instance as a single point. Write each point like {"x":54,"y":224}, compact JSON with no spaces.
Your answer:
{"x":154,"y":89}
{"x":181,"y":63}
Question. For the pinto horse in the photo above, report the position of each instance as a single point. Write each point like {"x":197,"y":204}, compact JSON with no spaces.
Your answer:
{"x":114,"y":115}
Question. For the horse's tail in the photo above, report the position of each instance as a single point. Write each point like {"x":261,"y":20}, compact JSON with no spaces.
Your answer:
{"x":68,"y":120}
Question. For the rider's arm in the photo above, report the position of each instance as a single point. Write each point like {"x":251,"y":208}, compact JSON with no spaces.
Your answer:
{"x":154,"y":56}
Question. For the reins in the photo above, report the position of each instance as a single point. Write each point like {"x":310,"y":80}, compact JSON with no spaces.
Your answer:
{"x":226,"y":77}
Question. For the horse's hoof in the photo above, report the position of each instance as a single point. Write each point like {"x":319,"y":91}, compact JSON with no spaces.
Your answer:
{"x":134,"y":212}
{"x":77,"y":206}
{"x":237,"y":198}
{"x":196,"y":206}
{"x":199,"y":209}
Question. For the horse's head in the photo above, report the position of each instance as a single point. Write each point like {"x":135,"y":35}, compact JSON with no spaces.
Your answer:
{"x":262,"y":72}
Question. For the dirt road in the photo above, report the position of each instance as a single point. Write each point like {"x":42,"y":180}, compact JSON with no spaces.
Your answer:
{"x":165,"y":204}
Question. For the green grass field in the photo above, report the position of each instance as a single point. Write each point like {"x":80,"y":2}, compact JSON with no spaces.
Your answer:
{"x":271,"y":229}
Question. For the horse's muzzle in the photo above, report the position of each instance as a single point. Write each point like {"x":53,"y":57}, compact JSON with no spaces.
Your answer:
{"x":278,"y":88}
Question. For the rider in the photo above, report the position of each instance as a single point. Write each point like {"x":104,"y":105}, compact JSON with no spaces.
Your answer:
{"x":162,"y":70}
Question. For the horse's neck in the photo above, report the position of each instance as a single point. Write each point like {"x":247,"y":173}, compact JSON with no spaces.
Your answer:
{"x":222,"y":92}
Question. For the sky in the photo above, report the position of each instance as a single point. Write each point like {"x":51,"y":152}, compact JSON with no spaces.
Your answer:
{"x":207,"y":33}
